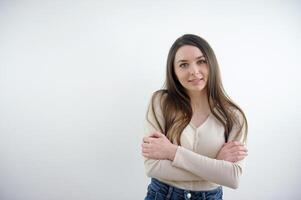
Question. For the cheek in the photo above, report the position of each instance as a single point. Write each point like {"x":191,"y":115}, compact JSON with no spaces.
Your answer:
{"x":206,"y":71}
{"x":181,"y":76}
{"x":178,"y":74}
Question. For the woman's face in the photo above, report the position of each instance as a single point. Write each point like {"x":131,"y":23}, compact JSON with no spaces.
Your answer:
{"x":191,"y":68}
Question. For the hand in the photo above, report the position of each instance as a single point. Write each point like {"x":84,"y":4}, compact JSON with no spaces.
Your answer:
{"x":157,"y":146}
{"x":232,"y":151}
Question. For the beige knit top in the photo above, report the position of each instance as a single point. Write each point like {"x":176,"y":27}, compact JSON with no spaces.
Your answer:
{"x":194,"y":166}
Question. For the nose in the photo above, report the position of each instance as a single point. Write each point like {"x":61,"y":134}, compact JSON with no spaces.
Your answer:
{"x":194,"y":69}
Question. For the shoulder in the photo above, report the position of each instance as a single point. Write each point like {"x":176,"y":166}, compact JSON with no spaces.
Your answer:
{"x":159,"y":94}
{"x":155,"y":104}
{"x":154,"y":115}
{"x":158,"y":97}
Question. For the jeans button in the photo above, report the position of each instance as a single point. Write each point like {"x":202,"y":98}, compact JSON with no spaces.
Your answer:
{"x":188,"y":195}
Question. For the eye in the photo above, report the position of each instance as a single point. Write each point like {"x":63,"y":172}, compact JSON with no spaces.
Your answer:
{"x":183,"y":65}
{"x":202,"y":61}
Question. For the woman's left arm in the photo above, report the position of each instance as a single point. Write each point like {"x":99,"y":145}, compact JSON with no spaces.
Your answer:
{"x":218,"y":171}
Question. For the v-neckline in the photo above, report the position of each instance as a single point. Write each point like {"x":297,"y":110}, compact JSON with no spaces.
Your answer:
{"x":200,"y":126}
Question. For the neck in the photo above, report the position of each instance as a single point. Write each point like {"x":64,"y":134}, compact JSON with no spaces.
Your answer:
{"x":199,"y":102}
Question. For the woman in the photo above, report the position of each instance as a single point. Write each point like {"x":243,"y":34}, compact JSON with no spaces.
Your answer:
{"x":195,"y":138}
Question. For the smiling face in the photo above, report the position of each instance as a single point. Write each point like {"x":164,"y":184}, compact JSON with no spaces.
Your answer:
{"x":191,"y":68}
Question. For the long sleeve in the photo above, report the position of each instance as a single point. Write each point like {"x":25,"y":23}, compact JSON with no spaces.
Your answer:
{"x":163,"y":169}
{"x":217,"y":171}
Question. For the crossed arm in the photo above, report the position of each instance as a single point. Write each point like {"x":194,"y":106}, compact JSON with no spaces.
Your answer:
{"x":175,"y":163}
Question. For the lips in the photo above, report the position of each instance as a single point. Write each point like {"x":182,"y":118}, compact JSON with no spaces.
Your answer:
{"x":195,"y":80}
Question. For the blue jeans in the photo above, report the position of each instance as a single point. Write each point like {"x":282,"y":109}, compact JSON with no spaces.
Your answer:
{"x":158,"y":190}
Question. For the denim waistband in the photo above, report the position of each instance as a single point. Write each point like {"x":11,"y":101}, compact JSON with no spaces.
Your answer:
{"x":168,"y":190}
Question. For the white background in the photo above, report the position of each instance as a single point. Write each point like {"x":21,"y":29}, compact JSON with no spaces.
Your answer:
{"x":76,"y":77}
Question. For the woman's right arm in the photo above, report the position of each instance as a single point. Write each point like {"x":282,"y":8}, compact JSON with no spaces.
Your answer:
{"x":162,"y":168}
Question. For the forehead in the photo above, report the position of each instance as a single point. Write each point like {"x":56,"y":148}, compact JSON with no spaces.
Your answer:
{"x":188,"y":52}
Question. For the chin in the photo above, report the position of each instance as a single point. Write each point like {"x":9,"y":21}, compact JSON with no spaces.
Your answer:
{"x":197,"y":89}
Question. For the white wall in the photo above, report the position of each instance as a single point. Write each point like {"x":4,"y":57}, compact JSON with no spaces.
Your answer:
{"x":76,"y":76}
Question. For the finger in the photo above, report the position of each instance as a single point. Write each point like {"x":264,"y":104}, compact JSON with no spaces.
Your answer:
{"x":145,"y":139}
{"x":237,"y":153}
{"x":229,"y":144}
{"x":148,"y":140}
{"x":144,"y":150}
{"x":235,"y":158}
{"x":238,"y":148}
{"x":232,"y":144}
{"x":145,"y":145}
{"x":145,"y":155}
{"x":156,"y":134}
{"x":241,"y":153}
{"x":239,"y":158}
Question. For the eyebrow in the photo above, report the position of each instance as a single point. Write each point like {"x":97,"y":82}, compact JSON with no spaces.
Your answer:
{"x":187,"y":60}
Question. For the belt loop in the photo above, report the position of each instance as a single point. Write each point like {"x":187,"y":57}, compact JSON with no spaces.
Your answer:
{"x":170,"y":189}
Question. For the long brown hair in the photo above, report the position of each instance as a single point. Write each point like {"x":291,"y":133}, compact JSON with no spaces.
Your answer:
{"x":175,"y":102}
